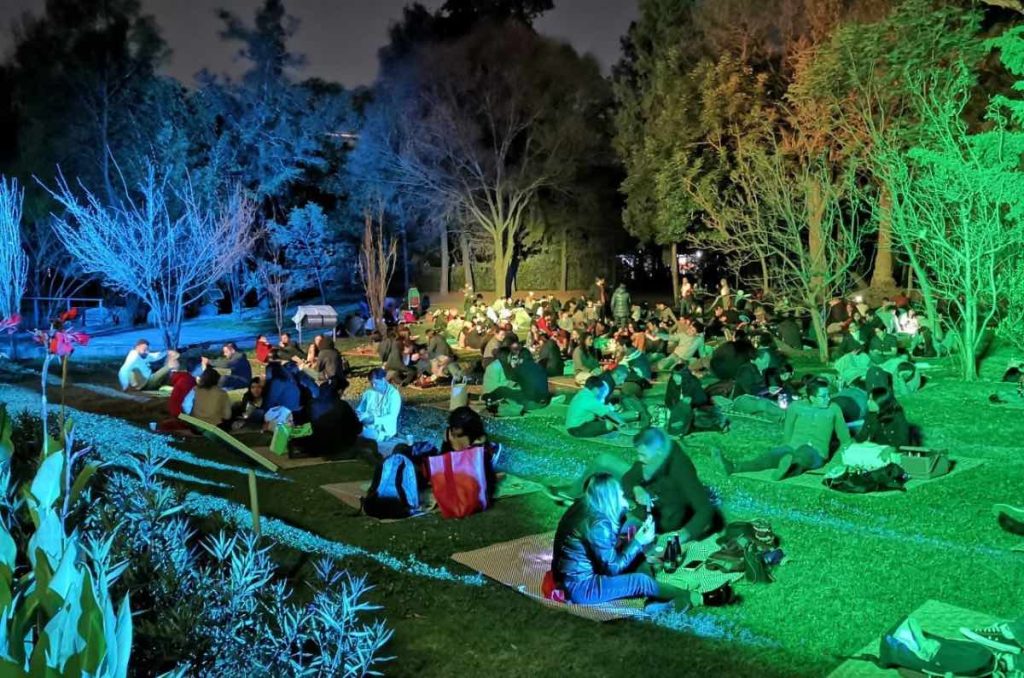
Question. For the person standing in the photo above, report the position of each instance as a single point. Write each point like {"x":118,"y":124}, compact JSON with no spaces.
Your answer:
{"x":622,"y":305}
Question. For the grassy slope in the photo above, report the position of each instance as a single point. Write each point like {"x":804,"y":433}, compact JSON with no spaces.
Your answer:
{"x":856,"y":563}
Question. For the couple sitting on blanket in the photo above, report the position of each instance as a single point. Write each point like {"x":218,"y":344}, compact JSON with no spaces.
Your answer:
{"x":600,"y":542}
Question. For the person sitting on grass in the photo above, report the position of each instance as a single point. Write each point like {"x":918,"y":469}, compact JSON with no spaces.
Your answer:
{"x":251,"y":411}
{"x":263,"y":350}
{"x":886,"y":422}
{"x":589,"y":414}
{"x":593,"y":562}
{"x":689,"y":407}
{"x":136,"y":373}
{"x":336,"y":428}
{"x":330,"y":368}
{"x":240,"y":371}
{"x":663,"y":478}
{"x":182,"y":385}
{"x":211,"y":403}
{"x":287,"y":351}
{"x":498,"y":385}
{"x":585,"y":359}
{"x":809,"y":429}
{"x":626,"y":394}
{"x":379,"y":407}
{"x":549,"y":356}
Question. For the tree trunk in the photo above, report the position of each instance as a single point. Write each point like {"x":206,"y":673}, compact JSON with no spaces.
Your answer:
{"x":405,"y":260}
{"x":445,"y":264}
{"x":820,"y":335}
{"x":765,"y":280}
{"x":881,"y":276}
{"x":674,"y":271}
{"x":467,"y":260}
{"x":816,"y":245}
{"x":501,"y":282}
{"x":563,"y":278}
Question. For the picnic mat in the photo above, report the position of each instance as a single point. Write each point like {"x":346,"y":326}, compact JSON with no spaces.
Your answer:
{"x":513,"y":486}
{"x":612,"y":438}
{"x":813,"y":479}
{"x":521,"y":563}
{"x":349,"y":493}
{"x":935,"y":617}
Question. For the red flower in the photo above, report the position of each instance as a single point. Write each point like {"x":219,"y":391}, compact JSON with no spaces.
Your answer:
{"x":9,"y":325}
{"x":69,"y":314}
{"x":80,"y":338}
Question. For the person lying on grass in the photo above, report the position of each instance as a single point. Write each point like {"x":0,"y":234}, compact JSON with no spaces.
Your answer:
{"x":595,"y":562}
{"x":661,"y":482}
{"x":590,"y":415}
{"x":808,"y":432}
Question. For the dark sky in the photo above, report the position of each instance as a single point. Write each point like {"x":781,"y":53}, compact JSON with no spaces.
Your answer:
{"x":340,"y":38}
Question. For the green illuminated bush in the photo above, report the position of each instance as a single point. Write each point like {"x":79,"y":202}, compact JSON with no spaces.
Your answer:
{"x":57,"y":615}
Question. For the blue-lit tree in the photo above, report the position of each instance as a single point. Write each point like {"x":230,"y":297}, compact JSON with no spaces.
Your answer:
{"x":159,"y":242}
{"x":13,"y":262}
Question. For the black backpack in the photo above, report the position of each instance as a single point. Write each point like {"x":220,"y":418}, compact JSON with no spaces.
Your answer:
{"x":393,"y":492}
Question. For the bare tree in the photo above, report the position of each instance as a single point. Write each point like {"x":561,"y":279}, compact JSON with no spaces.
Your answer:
{"x":274,"y":280}
{"x":13,"y":262}
{"x":794,"y":214}
{"x":159,"y":243}
{"x":377,"y":255}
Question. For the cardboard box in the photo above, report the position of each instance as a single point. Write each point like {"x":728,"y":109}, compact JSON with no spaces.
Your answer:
{"x":923,"y":463}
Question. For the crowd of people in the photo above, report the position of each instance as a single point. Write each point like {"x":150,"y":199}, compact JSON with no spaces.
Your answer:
{"x":725,"y":356}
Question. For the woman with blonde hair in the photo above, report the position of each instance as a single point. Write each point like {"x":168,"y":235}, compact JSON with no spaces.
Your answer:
{"x":592,"y":565}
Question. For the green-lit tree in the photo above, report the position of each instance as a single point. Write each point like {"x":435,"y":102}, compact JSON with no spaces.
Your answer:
{"x":956,"y":195}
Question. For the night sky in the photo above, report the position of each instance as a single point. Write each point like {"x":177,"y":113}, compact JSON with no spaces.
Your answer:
{"x":340,"y":38}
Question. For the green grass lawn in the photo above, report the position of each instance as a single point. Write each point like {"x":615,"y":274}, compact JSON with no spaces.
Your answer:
{"x":856,"y":563}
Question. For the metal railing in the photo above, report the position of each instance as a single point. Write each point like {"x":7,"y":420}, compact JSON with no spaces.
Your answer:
{"x":51,"y":304}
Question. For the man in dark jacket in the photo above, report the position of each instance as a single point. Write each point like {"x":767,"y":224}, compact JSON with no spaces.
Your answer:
{"x":533,"y":382}
{"x":330,"y":366}
{"x":336,"y":428}
{"x":550,"y":357}
{"x":234,"y":360}
{"x":622,"y":305}
{"x":665,"y":479}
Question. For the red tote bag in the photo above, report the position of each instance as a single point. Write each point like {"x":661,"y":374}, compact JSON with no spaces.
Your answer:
{"x":459,"y":482}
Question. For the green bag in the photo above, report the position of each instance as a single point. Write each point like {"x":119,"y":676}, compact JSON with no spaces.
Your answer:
{"x":283,"y":433}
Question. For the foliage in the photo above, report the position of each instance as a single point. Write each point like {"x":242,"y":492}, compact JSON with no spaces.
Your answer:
{"x":475,"y":130}
{"x":214,"y":606}
{"x":161,"y":243}
{"x":85,"y":78}
{"x":57,"y":615}
{"x":955,"y":196}
{"x":306,"y":250}
{"x":13,"y":262}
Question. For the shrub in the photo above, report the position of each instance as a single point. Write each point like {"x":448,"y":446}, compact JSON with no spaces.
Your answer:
{"x":57,"y":616}
{"x":213,"y":606}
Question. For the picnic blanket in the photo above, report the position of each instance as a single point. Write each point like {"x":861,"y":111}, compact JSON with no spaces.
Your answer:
{"x":620,"y":439}
{"x":813,"y":479}
{"x":521,"y":563}
{"x":349,"y":493}
{"x":935,"y":617}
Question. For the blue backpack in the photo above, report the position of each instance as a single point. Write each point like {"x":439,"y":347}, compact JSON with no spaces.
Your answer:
{"x":393,"y":492}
